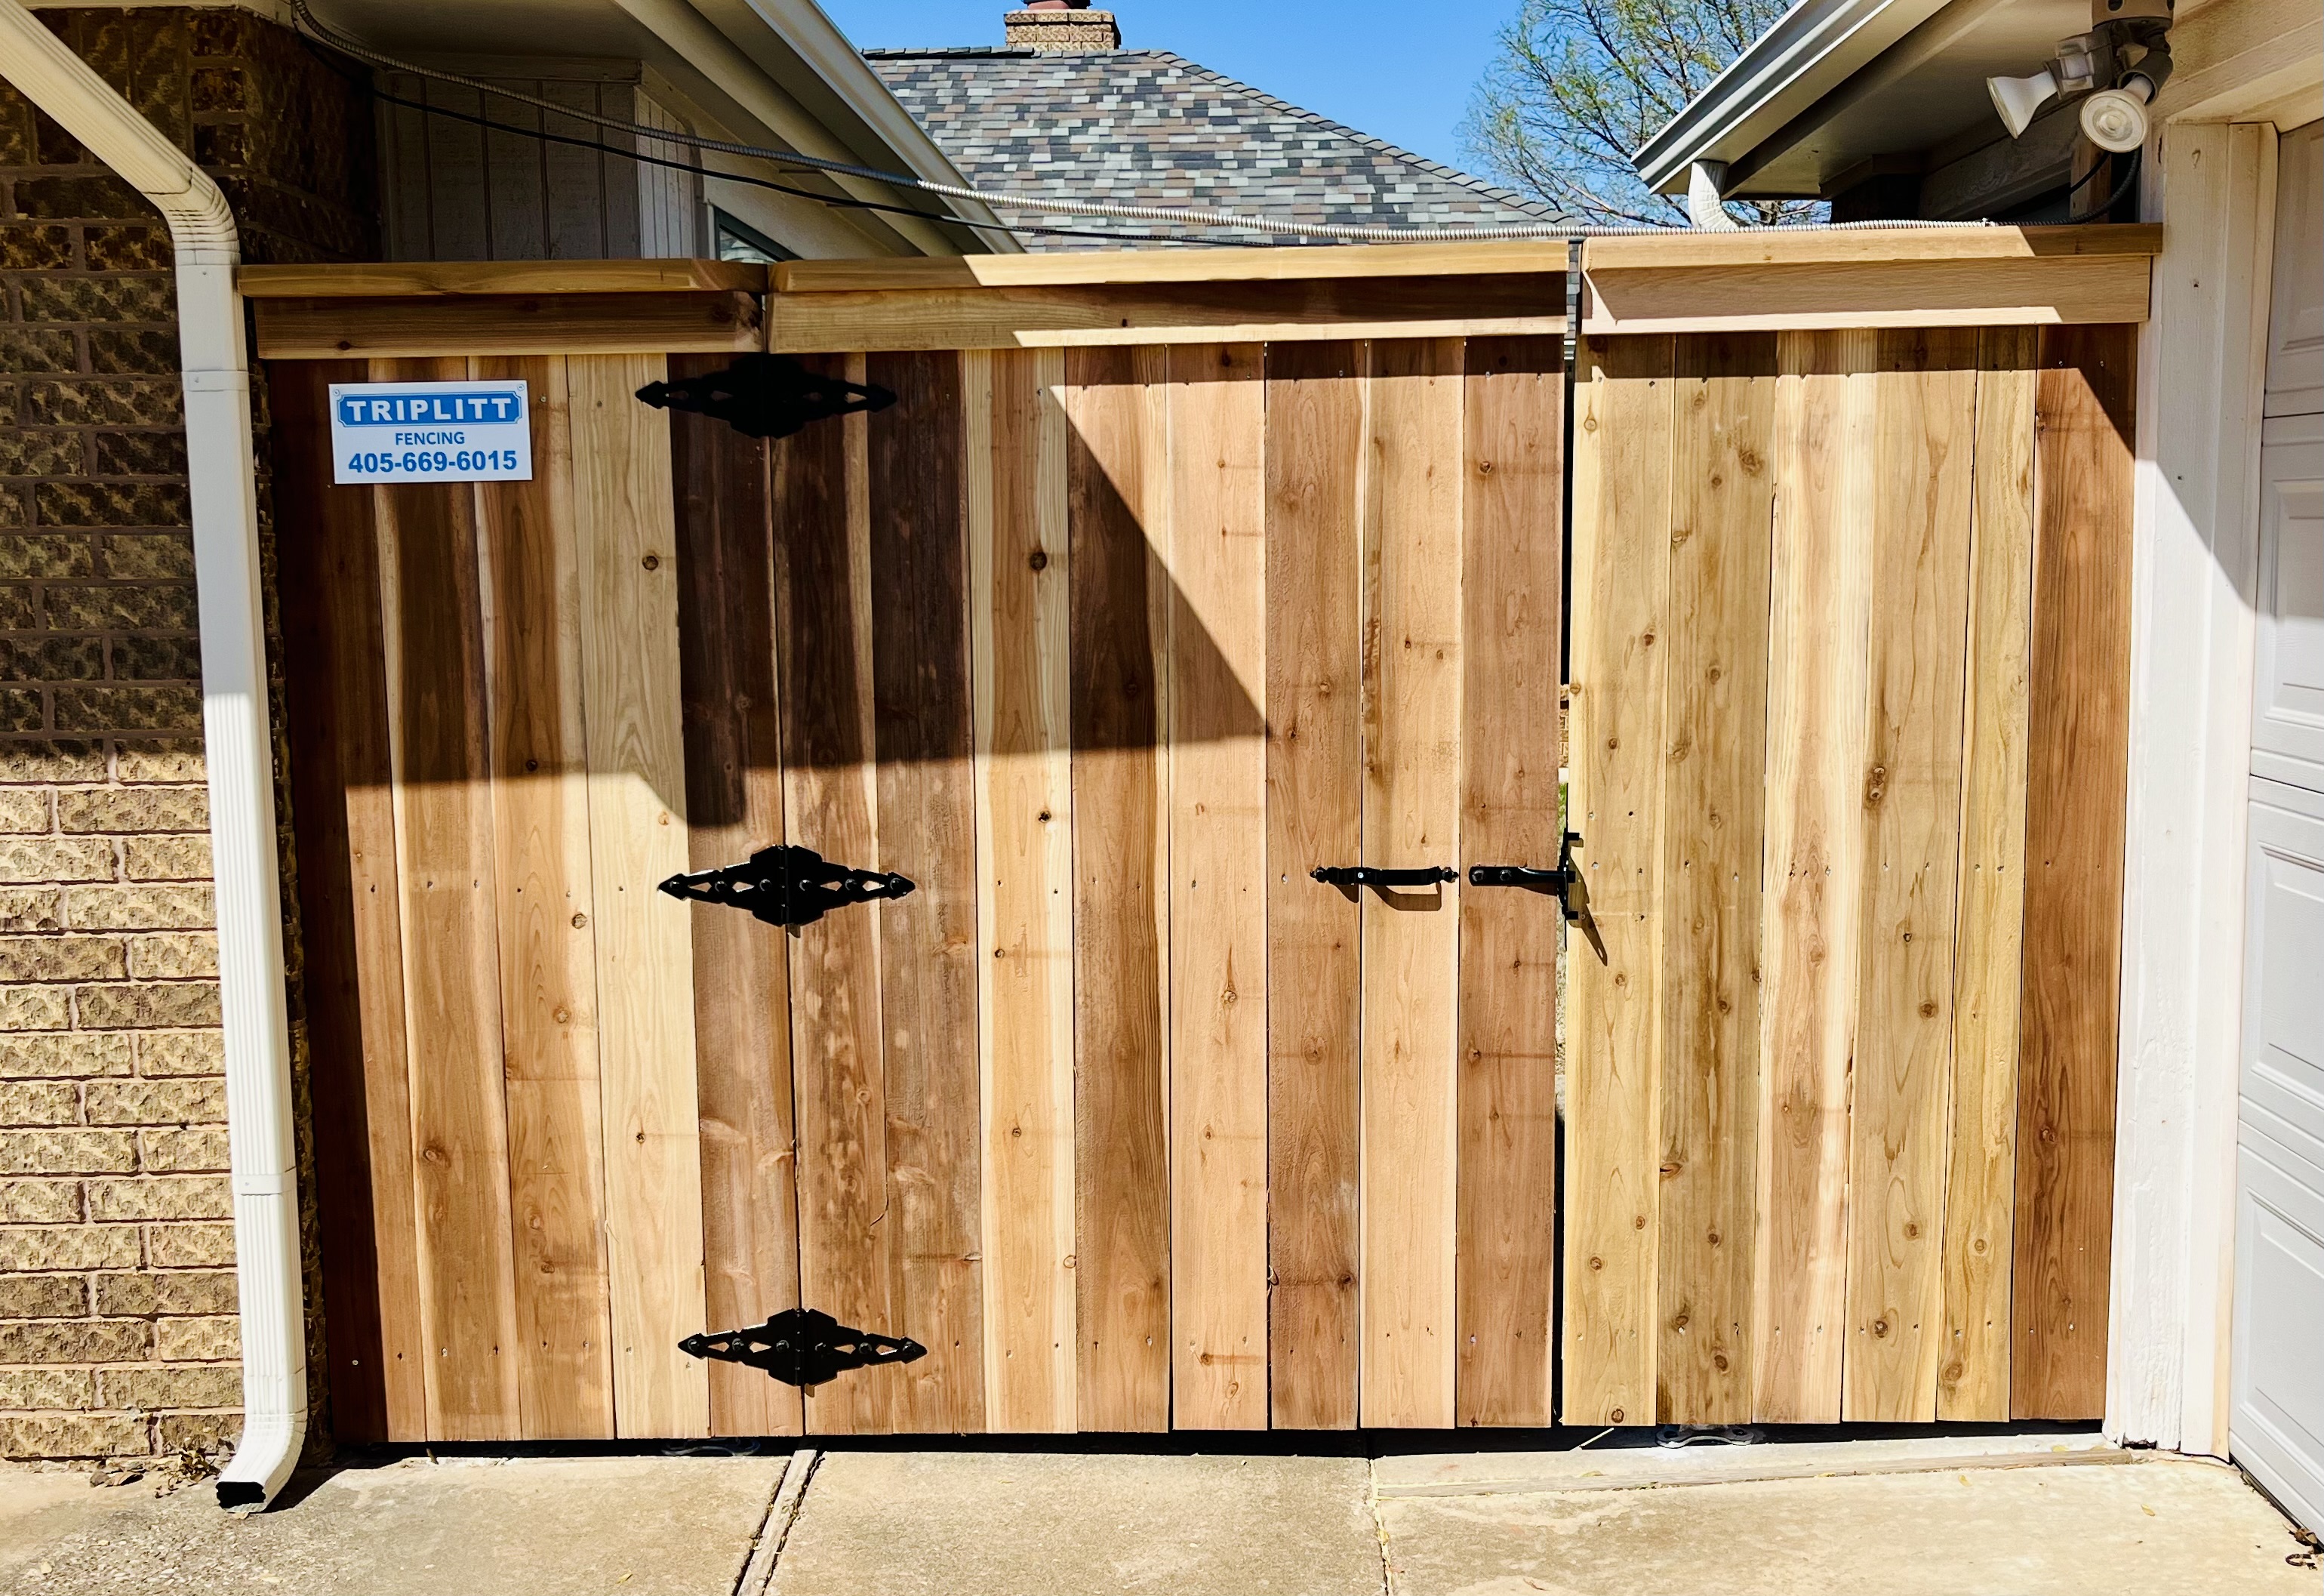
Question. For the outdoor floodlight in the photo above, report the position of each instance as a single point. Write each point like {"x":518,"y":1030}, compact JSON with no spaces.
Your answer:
{"x":2020,"y":99}
{"x":2115,"y":119}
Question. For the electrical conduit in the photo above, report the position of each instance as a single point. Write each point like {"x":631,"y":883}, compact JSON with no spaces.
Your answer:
{"x":237,"y":741}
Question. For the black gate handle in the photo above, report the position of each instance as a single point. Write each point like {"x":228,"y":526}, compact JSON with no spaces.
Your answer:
{"x":1372,"y":875}
{"x":789,"y":886}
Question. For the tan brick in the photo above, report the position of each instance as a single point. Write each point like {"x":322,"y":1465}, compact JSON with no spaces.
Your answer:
{"x":23,"y":811}
{"x":195,"y":1101}
{"x":140,"y":909}
{"x":140,"y":808}
{"x":63,"y":1056}
{"x":166,"y":858}
{"x":33,"y":1386}
{"x":174,"y":955}
{"x":169,"y":1291}
{"x":41,"y":909}
{"x":197,"y":1385}
{"x":162,"y":1197}
{"x":204,"y":1151}
{"x":56,"y":859}
{"x":159,"y":760}
{"x":43,"y":764}
{"x":213,"y":1434}
{"x":181,"y":1052}
{"x":40,"y":1202}
{"x":78,"y":1247}
{"x":76,"y":1341}
{"x":43,"y":1296}
{"x":189,"y":1245}
{"x":51,"y":1434}
{"x":35,"y":1008}
{"x":140,"y":1006}
{"x":198,"y":1341}
{"x":39,"y":1102}
{"x":68,"y":1152}
{"x":62,"y":958}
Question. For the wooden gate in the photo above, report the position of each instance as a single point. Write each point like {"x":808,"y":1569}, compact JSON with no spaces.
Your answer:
{"x":1850,"y":730}
{"x":1166,"y":580}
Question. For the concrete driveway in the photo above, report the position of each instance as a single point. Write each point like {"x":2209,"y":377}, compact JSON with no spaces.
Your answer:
{"x":2024,"y":1516}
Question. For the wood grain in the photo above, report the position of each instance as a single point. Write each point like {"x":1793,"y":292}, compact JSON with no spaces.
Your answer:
{"x":1511,"y":551}
{"x":1981,"y":1187}
{"x":1175,"y":313}
{"x":1820,"y":602}
{"x":636,"y":754}
{"x":1890,"y":295}
{"x":924,"y":741}
{"x":384,"y":329}
{"x":1020,"y":637}
{"x":343,"y":807}
{"x":1901,"y":1107}
{"x":1218,"y":888}
{"x":374,"y":278}
{"x":1313,"y":450}
{"x":1722,"y":514}
{"x":741,"y":977}
{"x":531,"y":599}
{"x":1621,"y":584}
{"x":824,"y":624}
{"x":2078,"y":743}
{"x":1118,"y":511}
{"x":438,"y":733}
{"x":1412,"y":817}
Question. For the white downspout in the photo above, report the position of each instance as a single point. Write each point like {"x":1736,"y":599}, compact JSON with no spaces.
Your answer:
{"x":235,"y":735}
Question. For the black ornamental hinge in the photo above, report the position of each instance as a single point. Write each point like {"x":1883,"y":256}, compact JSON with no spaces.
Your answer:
{"x":767,"y":396}
{"x":787,"y":885}
{"x":803,"y":1347}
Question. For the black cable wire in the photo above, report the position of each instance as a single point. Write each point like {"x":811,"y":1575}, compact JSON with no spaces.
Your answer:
{"x":835,"y":202}
{"x":2129,"y":176}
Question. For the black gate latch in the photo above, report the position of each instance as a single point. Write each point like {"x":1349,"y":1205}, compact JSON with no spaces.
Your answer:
{"x":1373,"y":875}
{"x":803,"y":1347}
{"x":787,"y":885}
{"x":766,"y":396}
{"x":1564,"y":883}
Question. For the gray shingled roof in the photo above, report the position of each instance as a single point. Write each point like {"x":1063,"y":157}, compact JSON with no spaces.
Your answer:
{"x":1146,"y":126}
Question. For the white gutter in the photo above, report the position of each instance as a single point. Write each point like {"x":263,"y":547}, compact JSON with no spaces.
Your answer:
{"x":216,"y":367}
{"x":1809,"y":50}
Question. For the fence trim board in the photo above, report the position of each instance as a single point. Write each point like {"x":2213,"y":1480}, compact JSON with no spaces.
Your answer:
{"x":422,"y":324}
{"x":1785,"y":297}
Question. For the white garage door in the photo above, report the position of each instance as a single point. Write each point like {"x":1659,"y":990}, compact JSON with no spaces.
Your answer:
{"x":2277,"y":1424}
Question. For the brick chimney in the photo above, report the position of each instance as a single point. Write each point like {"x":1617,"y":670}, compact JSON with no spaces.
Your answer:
{"x":1060,"y":27}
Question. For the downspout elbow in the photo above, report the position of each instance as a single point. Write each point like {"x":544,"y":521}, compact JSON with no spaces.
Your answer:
{"x":237,"y":745}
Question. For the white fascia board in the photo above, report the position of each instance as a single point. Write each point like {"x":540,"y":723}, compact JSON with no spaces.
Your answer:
{"x":817,"y":43}
{"x":1813,"y":47}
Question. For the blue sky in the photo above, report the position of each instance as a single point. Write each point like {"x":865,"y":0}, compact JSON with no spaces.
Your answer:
{"x":1401,"y":71}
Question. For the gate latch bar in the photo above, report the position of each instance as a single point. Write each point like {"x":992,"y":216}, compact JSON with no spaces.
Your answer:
{"x":1563,"y":882}
{"x":787,"y":885}
{"x":1373,"y":875}
{"x":803,"y":1347}
{"x":766,"y":396}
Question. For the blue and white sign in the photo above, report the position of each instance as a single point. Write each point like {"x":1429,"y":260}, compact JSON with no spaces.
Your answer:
{"x":479,"y":431}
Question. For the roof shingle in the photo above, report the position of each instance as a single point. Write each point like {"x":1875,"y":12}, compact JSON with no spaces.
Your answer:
{"x":1150,"y":127}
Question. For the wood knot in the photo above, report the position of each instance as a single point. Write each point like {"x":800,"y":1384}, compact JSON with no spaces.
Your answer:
{"x":652,"y":562}
{"x":1038,"y":559}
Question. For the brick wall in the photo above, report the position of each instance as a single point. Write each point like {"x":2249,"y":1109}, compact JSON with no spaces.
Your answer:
{"x":116,"y":1285}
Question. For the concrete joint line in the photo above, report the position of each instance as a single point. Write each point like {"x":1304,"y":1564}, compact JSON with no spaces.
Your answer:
{"x":1379,"y":1528}
{"x":759,"y":1572}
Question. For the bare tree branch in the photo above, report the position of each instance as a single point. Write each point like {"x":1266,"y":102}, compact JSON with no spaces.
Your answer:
{"x":1581,"y":83}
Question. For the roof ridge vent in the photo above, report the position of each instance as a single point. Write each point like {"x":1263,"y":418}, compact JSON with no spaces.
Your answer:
{"x":1060,"y":27}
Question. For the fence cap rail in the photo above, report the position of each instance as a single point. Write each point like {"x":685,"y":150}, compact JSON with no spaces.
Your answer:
{"x":383,"y":280}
